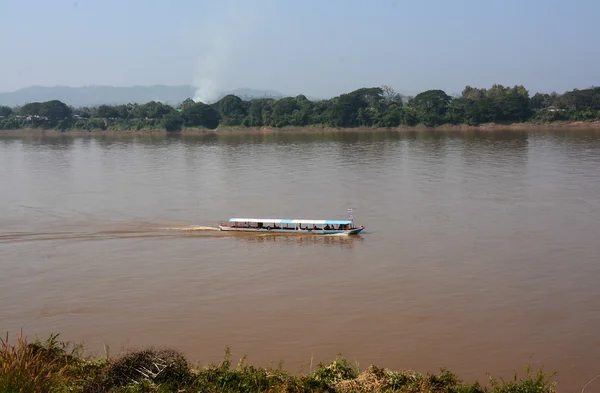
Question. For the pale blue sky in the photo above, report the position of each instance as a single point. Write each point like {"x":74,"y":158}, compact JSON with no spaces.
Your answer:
{"x":319,"y":48}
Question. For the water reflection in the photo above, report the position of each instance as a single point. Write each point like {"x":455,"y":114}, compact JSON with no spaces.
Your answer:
{"x":311,"y":137}
{"x":7,"y":140}
{"x":49,"y":152}
{"x":347,"y":242}
{"x":208,"y":138}
{"x":502,"y":153}
{"x":54,"y":142}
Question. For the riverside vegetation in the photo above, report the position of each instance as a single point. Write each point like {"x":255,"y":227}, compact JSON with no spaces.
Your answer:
{"x":379,"y":107}
{"x":56,"y":366}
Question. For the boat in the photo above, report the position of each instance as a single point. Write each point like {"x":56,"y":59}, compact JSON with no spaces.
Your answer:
{"x":292,"y":226}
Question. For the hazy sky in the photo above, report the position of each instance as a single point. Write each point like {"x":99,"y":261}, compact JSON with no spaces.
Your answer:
{"x":319,"y":48}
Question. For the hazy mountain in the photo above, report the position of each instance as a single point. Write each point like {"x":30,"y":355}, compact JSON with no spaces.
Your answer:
{"x":98,"y":95}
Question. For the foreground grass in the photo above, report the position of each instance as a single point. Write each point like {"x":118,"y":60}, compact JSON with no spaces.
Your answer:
{"x":55,"y":366}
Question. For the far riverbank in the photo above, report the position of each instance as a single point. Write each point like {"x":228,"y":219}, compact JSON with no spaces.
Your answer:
{"x":487,"y":127}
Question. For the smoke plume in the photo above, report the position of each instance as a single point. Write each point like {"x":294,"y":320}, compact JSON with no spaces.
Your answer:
{"x":222,"y":40}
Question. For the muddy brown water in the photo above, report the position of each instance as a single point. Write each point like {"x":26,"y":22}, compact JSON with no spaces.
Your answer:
{"x":481,"y":251}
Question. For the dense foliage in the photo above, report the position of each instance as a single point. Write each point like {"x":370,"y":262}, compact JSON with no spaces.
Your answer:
{"x":54,"y":366}
{"x":365,"y":107}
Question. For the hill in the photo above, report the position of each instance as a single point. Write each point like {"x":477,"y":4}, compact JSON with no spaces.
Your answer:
{"x":114,"y":95}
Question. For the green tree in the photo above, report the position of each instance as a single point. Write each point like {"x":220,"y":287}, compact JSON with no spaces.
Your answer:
{"x":358,"y":108}
{"x":232,"y":110}
{"x":154,"y":110}
{"x":106,"y":112}
{"x":172,"y":122}
{"x":5,"y":111}
{"x":393,"y":117}
{"x":55,"y":110}
{"x":200,"y":115}
{"x":431,"y":106}
{"x":10,"y":123}
{"x":456,"y":111}
{"x":301,"y":116}
{"x":477,"y":111}
{"x":259,"y":112}
{"x":344,"y":111}
{"x":582,"y":99}
{"x":320,"y":112}
{"x":472,"y":93}
{"x":515,"y":104}
{"x":30,"y":109}
{"x":538,"y":101}
{"x":283,"y":110}
{"x":409,"y":116}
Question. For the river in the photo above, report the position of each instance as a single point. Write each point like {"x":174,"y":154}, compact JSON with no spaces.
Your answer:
{"x":481,"y":251}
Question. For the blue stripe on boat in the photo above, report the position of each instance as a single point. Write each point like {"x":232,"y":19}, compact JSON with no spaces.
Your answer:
{"x":291,"y":221}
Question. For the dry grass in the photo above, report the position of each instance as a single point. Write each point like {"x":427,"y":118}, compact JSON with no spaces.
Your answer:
{"x":555,"y":125}
{"x":147,"y":367}
{"x":26,"y":367}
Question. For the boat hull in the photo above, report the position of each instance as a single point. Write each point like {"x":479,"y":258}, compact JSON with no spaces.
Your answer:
{"x":353,"y":231}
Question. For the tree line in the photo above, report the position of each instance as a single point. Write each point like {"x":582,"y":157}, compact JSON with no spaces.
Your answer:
{"x":365,"y":107}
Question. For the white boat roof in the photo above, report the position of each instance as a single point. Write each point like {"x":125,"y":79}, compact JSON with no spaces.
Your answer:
{"x":291,"y":221}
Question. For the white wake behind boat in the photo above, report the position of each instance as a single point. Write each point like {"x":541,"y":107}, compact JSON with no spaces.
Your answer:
{"x":292,"y":226}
